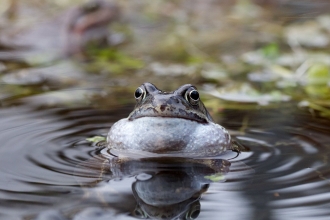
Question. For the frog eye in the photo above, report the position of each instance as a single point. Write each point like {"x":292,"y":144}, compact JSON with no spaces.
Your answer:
{"x":139,"y":94}
{"x":194,"y":211}
{"x":192,"y":96}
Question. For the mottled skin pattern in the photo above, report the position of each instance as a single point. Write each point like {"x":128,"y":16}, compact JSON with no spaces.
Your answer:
{"x":172,"y":124}
{"x":158,"y":103}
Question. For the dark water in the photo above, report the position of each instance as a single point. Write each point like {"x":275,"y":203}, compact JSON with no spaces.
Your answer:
{"x":47,"y":167}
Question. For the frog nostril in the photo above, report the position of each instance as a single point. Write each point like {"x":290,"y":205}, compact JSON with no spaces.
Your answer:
{"x":163,"y":107}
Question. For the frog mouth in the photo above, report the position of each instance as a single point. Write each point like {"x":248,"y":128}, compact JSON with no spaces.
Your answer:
{"x":187,"y":115}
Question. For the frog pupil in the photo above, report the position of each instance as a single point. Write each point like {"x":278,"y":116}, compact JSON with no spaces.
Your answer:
{"x":194,"y":214}
{"x":138,"y":93}
{"x":194,"y":95}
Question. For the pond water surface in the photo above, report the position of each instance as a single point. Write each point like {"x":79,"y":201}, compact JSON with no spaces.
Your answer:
{"x":46,"y":164}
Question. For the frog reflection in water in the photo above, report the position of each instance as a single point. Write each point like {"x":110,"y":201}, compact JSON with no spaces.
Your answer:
{"x":168,"y":124}
{"x":165,"y":187}
{"x":172,"y":188}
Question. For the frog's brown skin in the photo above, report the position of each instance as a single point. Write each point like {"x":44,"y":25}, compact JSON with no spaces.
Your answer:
{"x":168,"y":124}
{"x":174,"y":105}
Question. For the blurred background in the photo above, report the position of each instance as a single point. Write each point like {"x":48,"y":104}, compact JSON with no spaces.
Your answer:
{"x":260,"y":51}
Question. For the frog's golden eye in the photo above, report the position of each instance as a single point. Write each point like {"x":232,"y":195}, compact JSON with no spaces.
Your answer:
{"x":192,"y":96}
{"x":139,"y":94}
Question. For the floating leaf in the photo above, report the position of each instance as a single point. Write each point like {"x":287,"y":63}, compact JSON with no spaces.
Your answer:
{"x":96,"y":139}
{"x":318,"y":77}
{"x":271,"y":50}
{"x":215,"y":177}
{"x":247,"y":94}
{"x":309,"y":34}
{"x":318,"y":74}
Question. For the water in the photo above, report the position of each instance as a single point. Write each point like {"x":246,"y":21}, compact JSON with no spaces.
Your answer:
{"x":47,"y":164}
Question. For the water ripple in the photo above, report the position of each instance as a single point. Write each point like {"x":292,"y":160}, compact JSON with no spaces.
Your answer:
{"x":285,"y":173}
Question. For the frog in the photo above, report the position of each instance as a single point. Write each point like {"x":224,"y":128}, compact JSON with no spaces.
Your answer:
{"x":168,"y":124}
